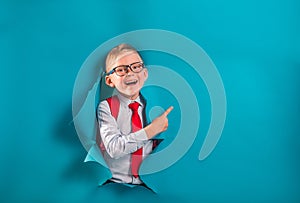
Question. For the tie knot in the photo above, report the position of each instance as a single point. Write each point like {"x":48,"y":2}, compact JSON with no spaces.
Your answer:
{"x":134,"y":106}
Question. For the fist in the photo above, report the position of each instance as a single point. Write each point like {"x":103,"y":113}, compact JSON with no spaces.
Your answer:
{"x":158,"y":125}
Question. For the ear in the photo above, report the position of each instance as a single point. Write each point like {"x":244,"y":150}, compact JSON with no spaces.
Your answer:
{"x":109,"y":82}
{"x":145,"y":73}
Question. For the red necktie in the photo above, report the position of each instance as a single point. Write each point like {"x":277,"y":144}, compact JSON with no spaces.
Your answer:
{"x":136,"y":124}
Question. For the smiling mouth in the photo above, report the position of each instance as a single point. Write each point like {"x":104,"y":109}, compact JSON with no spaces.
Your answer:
{"x":131,"y":82}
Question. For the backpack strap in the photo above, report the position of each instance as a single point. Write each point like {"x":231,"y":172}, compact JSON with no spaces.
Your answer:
{"x":114,"y":105}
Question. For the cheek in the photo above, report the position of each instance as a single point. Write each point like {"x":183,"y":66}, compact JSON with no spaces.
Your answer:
{"x":143,"y":78}
{"x":119,"y":84}
{"x":116,"y":80}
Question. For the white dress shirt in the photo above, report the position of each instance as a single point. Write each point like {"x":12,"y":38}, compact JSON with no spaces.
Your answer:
{"x":119,"y":141}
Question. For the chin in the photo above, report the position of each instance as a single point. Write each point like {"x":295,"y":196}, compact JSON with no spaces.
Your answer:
{"x":131,"y":94}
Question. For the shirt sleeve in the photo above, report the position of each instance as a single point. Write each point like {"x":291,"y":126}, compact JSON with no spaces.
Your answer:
{"x":116,"y":143}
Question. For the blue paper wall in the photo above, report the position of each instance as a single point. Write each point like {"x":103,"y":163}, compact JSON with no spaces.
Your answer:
{"x":255,"y":47}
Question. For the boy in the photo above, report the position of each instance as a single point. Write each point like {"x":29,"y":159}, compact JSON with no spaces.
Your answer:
{"x":125,"y":138}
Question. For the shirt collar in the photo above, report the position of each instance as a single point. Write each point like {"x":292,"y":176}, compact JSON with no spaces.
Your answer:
{"x":127,"y":101}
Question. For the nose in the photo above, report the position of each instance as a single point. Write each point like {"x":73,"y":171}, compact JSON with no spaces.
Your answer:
{"x":128,"y":70}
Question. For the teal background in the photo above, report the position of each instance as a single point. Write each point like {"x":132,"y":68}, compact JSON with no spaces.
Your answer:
{"x":254,"y":44}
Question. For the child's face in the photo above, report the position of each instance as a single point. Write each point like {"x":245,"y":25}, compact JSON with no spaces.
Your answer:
{"x":131,"y":83}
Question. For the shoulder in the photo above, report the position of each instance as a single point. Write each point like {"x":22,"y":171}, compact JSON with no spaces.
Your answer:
{"x":111,"y":105}
{"x":103,"y":105}
{"x":103,"y":102}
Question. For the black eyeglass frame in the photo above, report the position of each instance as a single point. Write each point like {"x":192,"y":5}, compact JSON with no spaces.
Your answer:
{"x":126,"y":66}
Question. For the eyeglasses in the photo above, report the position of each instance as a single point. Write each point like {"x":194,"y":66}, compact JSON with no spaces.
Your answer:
{"x":122,"y":70}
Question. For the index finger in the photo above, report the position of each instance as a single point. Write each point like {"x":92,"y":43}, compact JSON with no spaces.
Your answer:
{"x":168,"y":110}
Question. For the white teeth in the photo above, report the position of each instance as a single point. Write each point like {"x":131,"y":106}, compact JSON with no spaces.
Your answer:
{"x":131,"y":82}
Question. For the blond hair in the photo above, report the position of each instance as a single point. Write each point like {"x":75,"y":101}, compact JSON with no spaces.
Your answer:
{"x":116,"y":53}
